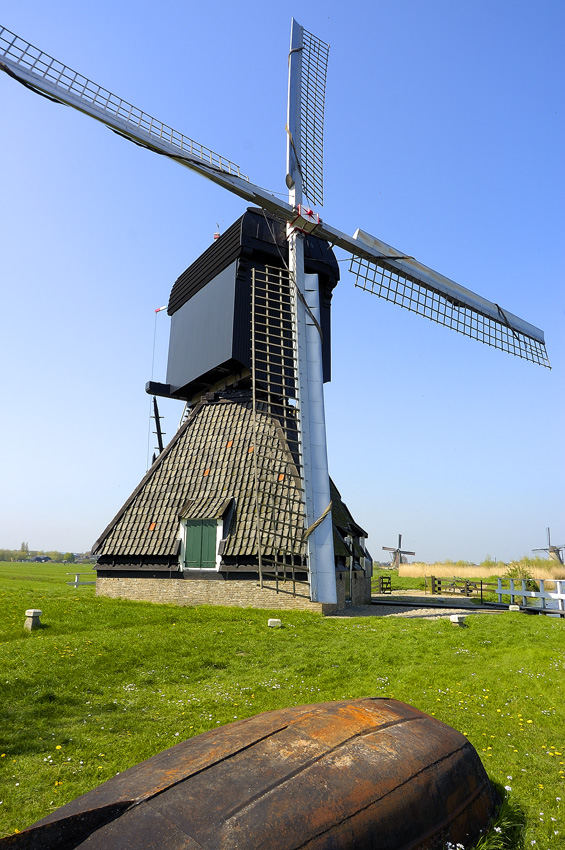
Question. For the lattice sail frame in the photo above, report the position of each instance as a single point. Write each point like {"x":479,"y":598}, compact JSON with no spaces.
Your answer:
{"x":436,"y":306}
{"x":315,"y":54}
{"x":279,"y":534}
{"x":85,"y":91}
{"x":399,"y":282}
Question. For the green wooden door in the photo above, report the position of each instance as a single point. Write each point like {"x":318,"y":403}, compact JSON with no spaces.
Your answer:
{"x":208,"y":551}
{"x":200,"y":548}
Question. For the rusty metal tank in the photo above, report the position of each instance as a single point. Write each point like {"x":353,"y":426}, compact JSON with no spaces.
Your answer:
{"x":365,"y":773}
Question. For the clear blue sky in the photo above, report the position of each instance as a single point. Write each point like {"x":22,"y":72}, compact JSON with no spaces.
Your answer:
{"x":444,"y":137}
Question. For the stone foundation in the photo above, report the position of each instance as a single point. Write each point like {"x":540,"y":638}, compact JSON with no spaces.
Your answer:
{"x":241,"y":594}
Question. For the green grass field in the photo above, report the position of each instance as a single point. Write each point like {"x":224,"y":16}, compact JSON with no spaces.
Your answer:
{"x":107,"y":683}
{"x":398,"y":582}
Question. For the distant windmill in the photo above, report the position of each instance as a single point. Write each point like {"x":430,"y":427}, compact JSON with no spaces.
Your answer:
{"x":378,"y":267}
{"x":553,"y":551}
{"x":396,"y":559}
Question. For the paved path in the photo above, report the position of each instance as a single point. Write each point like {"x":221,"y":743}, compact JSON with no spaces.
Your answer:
{"x":416,"y":603}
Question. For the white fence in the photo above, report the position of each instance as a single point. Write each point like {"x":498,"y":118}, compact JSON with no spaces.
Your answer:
{"x":550,"y":600}
{"x":77,"y":582}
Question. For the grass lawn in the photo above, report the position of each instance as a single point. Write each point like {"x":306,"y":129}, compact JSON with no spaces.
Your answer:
{"x":397,"y":582}
{"x":107,"y":683}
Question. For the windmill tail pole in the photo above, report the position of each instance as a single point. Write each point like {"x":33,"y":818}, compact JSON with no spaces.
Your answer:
{"x":157,"y":425}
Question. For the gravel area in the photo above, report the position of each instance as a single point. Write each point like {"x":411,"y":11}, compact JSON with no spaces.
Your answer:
{"x":409,"y":606}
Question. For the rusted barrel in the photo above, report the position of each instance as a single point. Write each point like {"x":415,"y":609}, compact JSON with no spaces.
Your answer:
{"x":367,"y":773}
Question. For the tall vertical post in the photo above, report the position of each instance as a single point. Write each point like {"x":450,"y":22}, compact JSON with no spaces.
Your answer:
{"x":310,"y":387}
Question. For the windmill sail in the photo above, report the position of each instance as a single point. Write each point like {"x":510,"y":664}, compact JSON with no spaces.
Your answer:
{"x":44,"y":74}
{"x":410,"y":284}
{"x":379,"y":268}
{"x":315,"y":55}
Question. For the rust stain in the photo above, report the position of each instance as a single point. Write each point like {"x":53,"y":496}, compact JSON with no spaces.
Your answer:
{"x":316,"y":777}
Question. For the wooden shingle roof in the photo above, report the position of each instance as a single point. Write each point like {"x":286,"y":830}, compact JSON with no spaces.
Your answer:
{"x":208,"y":464}
{"x":207,"y":472}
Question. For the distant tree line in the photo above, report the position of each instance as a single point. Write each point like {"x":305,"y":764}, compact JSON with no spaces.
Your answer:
{"x":24,"y":553}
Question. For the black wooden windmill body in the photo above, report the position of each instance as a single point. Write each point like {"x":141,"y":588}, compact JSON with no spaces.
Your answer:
{"x":227,"y":331}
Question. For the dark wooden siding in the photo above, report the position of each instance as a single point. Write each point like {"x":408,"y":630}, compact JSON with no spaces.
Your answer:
{"x":217,"y":257}
{"x":263,"y":236}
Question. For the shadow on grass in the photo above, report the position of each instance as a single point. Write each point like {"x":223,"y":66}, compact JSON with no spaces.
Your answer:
{"x":508,"y":828}
{"x":45,"y":715}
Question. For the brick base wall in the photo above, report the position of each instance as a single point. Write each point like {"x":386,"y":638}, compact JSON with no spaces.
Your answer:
{"x":241,"y":594}
{"x":360,"y":589}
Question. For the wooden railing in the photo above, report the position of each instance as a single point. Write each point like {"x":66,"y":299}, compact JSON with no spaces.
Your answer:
{"x":384,"y":584}
{"x":466,"y":587}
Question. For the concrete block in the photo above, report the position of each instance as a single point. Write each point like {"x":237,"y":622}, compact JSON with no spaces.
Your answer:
{"x":458,"y":619}
{"x":32,"y":620}
{"x":274,"y":623}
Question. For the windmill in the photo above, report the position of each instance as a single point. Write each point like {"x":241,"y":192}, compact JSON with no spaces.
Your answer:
{"x":553,"y":551}
{"x":398,"y":552}
{"x":378,"y":268}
